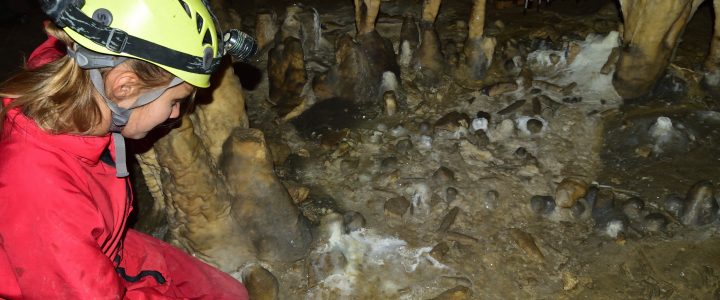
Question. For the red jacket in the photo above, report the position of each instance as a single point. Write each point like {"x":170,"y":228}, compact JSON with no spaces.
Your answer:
{"x":63,"y":213}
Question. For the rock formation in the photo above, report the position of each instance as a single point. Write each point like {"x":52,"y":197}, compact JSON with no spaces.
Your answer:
{"x":214,"y":178}
{"x":651,"y":33}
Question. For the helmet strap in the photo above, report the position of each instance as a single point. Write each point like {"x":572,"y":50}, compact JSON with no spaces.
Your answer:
{"x":120,"y":116}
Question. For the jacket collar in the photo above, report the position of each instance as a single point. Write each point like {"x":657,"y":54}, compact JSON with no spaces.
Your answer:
{"x":87,"y":148}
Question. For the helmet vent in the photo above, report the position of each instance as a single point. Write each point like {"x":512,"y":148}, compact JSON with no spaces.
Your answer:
{"x":186,"y":8}
{"x":207,"y":39}
{"x":199,"y":22}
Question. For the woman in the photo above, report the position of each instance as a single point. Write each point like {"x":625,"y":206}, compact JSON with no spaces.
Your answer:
{"x":115,"y":69}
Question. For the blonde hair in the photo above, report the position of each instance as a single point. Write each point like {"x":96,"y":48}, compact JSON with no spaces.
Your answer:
{"x":60,"y":97}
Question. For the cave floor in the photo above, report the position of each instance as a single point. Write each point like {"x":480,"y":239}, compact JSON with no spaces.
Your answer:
{"x":496,"y":245}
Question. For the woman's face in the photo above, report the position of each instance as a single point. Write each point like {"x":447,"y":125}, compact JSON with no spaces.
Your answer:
{"x":167,"y":106}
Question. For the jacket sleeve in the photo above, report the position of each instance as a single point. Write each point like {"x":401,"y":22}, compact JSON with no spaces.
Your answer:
{"x":49,"y":228}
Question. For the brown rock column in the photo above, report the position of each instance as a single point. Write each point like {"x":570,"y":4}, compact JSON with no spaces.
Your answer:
{"x":366,"y":12}
{"x":263,"y":207}
{"x":711,"y":80}
{"x":478,"y":49}
{"x":428,"y":60}
{"x":650,"y":35}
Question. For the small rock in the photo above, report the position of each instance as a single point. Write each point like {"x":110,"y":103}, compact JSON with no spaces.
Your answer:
{"x":578,"y":210}
{"x":535,"y":91}
{"x":501,"y":88}
{"x":675,"y":205}
{"x":478,"y":138}
{"x":321,"y":265}
{"x":506,"y":128}
{"x":512,"y":107}
{"x":461,"y":238}
{"x":701,"y":206}
{"x":459,"y":292}
{"x":534,"y":125}
{"x":450,"y":194}
{"x":443,"y":175}
{"x":570,"y":281}
{"x":633,"y":208}
{"x":395,"y":208}
{"x":491,"y":200}
{"x":569,"y":191}
{"x":452,"y":122}
{"x":403,"y":146}
{"x":353,"y":221}
{"x":440,"y":251}
{"x":260,"y":283}
{"x":448,"y":220}
{"x":390,"y":103}
{"x":655,"y":222}
{"x":543,"y":205}
{"x":526,"y":242}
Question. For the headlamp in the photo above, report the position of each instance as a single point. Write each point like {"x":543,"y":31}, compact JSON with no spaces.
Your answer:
{"x":239,"y":44}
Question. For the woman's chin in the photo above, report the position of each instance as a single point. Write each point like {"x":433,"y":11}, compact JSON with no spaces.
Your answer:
{"x":133,"y":135}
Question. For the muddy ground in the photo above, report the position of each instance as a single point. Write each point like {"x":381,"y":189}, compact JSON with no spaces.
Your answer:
{"x":470,"y":226}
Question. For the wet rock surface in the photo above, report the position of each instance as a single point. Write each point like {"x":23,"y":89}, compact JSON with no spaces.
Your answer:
{"x":537,"y":183}
{"x":516,"y":188}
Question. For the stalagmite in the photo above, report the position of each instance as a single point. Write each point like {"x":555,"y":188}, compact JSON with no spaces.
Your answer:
{"x":366,"y":12}
{"x":711,"y":80}
{"x":428,"y":60}
{"x":651,"y":33}
{"x":409,"y":40}
{"x":286,"y":75}
{"x":265,"y":28}
{"x":478,"y":49}
{"x":194,"y":176}
{"x":362,"y":62}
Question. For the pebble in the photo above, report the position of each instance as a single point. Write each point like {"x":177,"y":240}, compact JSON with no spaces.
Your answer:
{"x":260,"y":283}
{"x":569,"y":191}
{"x":479,"y":124}
{"x":440,"y":251}
{"x":491,"y":200}
{"x":443,"y":175}
{"x":534,"y":125}
{"x":403,"y":146}
{"x":448,"y":220}
{"x":347,"y":165}
{"x":461,"y":238}
{"x":501,"y":88}
{"x":390,"y":103}
{"x":675,"y":205}
{"x":633,"y":208}
{"x":479,"y":138}
{"x":535,"y":91}
{"x":451,"y":194}
{"x":353,"y":221}
{"x":655,"y":222}
{"x":572,"y":99}
{"x":506,"y":128}
{"x":459,"y":292}
{"x":512,"y":107}
{"x":452,"y":121}
{"x":526,"y":242}
{"x":521,"y":153}
{"x":543,"y":205}
{"x":578,"y":210}
{"x":701,"y":206}
{"x":395,"y":208}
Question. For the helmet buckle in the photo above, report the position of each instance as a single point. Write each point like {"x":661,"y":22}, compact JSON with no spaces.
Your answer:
{"x":117,"y":40}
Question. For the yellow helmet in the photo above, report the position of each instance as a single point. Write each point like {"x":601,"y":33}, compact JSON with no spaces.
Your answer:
{"x":180,"y":36}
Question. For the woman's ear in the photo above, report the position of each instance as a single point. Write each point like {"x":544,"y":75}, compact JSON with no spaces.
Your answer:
{"x":122,"y":85}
